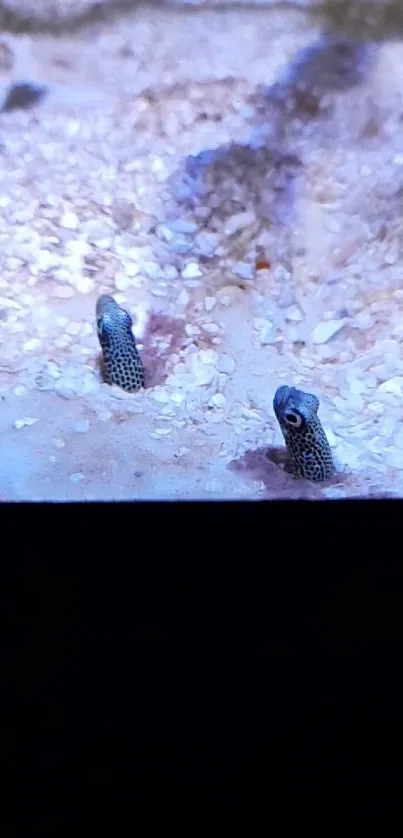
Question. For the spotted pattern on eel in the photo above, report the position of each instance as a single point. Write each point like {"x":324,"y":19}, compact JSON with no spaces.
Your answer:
{"x":121,"y":360}
{"x":309,"y":450}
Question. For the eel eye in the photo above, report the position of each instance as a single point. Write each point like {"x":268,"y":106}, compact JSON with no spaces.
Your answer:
{"x":293,"y":419}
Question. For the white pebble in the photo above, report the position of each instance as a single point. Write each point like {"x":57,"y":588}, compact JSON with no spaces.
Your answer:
{"x":77,"y":477}
{"x":122,"y":282}
{"x":191,"y":271}
{"x":238,"y":222}
{"x":218,"y":400}
{"x":82,"y":426}
{"x":62,"y":342}
{"x":226,"y":364}
{"x":211,"y":328}
{"x":191,"y":330}
{"x":183,"y":298}
{"x":73,"y":328}
{"x":63,"y":292}
{"x":25,"y":422}
{"x":182,"y":226}
{"x":97,"y":232}
{"x":209,"y":303}
{"x":32,"y":344}
{"x":70,"y":221}
{"x":208,"y":356}
{"x":177,"y":397}
{"x":163,"y":431}
{"x":58,"y":443}
{"x":294,"y":314}
{"x":62,"y":321}
{"x":243,"y":270}
{"x":131,"y":269}
{"x":20,"y":391}
{"x":213,"y":486}
{"x":47,"y":260}
{"x":153,"y":270}
{"x":267,"y":335}
{"x":160,"y":395}
{"x":326,"y":330}
{"x":78,"y":248}
{"x":393,"y":386}
{"x":84,"y":285}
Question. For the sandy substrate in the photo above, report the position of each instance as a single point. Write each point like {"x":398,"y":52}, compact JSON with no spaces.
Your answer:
{"x":236,"y":182}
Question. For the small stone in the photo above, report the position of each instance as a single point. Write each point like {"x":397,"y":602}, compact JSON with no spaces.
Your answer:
{"x":73,"y":328}
{"x":208,"y":356}
{"x":206,"y":243}
{"x":163,"y":431}
{"x":131,"y":269}
{"x":181,"y":452}
{"x":77,"y":477}
{"x":192,"y":283}
{"x":70,"y":221}
{"x":153,"y":270}
{"x":62,"y":342}
{"x":243,"y":270}
{"x":226,"y":364}
{"x":180,"y":225}
{"x":267,"y":335}
{"x":177,"y":397}
{"x":393,"y":252}
{"x":160,"y":395}
{"x":202,"y":373}
{"x":84,"y":285}
{"x":218,"y":400}
{"x":164,"y":233}
{"x":238,"y":222}
{"x":393,"y":386}
{"x":286,"y":297}
{"x":191,"y":330}
{"x":191,"y":271}
{"x":32,"y":344}
{"x":183,"y":298}
{"x":27,"y":421}
{"x":363,"y":321}
{"x":82,"y":426}
{"x":122,"y":282}
{"x":123,"y":214}
{"x":63,"y":292}
{"x":209,"y":303}
{"x":213,"y":486}
{"x":180,"y":245}
{"x":294,"y":314}
{"x":58,"y":443}
{"x":211,"y":328}
{"x":62,"y":321}
{"x":20,"y":391}
{"x":326,"y":330}
{"x":78,"y":249}
{"x":46,"y":260}
{"x":96,"y":232}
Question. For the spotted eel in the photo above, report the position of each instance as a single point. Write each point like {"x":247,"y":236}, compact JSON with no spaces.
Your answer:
{"x":121,"y":360}
{"x":309,"y":450}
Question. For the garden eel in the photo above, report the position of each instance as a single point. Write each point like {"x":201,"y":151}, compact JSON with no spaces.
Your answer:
{"x":304,"y":436}
{"x":121,"y":360}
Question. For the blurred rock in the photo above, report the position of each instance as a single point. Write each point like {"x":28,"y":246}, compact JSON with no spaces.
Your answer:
{"x":23,"y":95}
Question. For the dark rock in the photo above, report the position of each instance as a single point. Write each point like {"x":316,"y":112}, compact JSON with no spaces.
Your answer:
{"x":23,"y":95}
